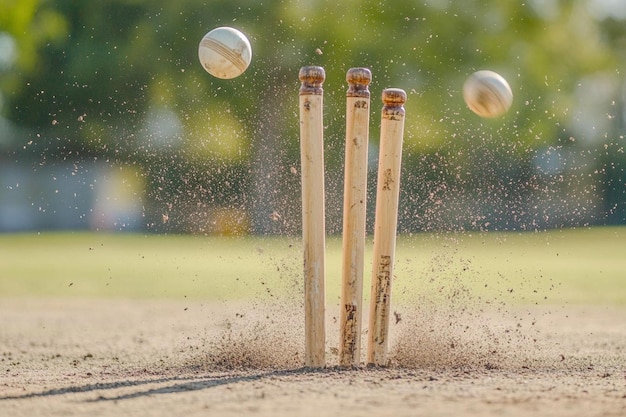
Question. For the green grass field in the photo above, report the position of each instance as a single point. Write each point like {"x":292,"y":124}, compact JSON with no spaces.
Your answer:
{"x":560,"y":266}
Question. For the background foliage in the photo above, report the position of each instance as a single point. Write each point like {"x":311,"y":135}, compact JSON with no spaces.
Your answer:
{"x":118,"y":82}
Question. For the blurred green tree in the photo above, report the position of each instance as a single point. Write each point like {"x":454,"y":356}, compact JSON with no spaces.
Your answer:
{"x":26,"y":27}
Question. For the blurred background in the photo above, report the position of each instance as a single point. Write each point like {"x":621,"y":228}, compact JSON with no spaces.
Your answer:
{"x":109,"y":122}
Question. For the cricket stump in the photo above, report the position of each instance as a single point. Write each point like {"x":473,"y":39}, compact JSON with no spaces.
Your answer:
{"x":385,"y":223}
{"x":313,"y":213}
{"x":354,"y":209}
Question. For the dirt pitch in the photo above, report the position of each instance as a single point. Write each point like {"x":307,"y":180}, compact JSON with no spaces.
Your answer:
{"x":150,"y":358}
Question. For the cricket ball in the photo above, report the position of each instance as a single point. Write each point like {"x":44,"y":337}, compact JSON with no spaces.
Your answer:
{"x":487,"y":94}
{"x":225,"y":52}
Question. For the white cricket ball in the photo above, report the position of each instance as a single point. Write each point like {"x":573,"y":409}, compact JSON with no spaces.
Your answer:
{"x":225,"y":52}
{"x":487,"y":94}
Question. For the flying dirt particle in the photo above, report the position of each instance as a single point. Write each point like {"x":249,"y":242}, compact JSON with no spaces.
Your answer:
{"x":397,"y":316}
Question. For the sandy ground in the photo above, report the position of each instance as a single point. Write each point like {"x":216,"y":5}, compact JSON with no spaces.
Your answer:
{"x":151,"y":358}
